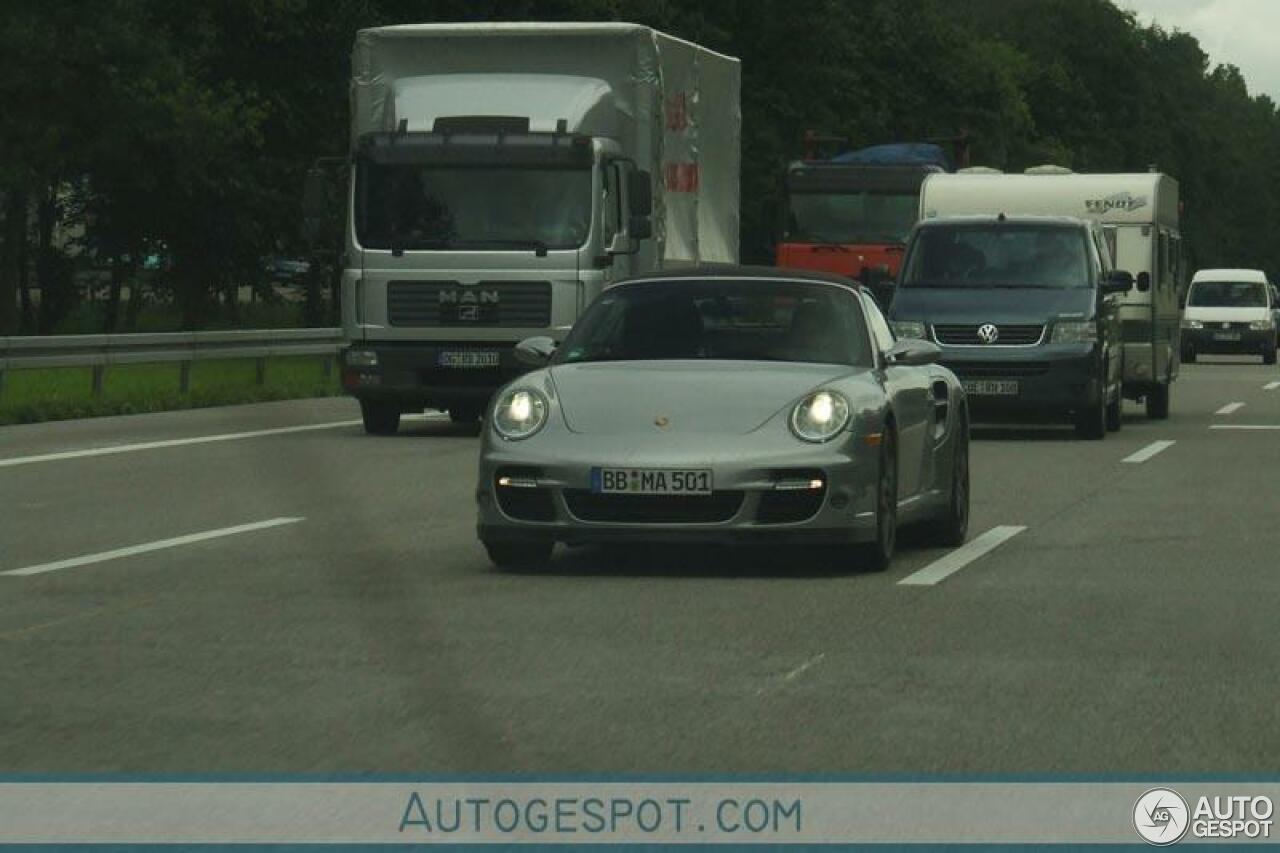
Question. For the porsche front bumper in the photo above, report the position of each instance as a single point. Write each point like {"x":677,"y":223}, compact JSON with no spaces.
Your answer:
{"x":756,"y":497}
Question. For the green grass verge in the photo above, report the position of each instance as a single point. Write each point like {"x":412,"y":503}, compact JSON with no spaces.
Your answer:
{"x":49,"y":394}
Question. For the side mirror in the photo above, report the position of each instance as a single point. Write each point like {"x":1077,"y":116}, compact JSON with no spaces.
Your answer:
{"x":913,"y":352}
{"x":639,"y":193}
{"x":315,"y":196}
{"x":1143,"y":281}
{"x":640,"y":228}
{"x":1118,"y":281}
{"x":535,"y":352}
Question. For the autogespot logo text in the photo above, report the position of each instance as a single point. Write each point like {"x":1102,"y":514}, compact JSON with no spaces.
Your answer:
{"x":1160,"y":816}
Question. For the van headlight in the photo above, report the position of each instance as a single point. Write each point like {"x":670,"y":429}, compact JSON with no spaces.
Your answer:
{"x":1192,"y":324}
{"x":1074,"y":332}
{"x":520,"y":413}
{"x":1262,"y":325}
{"x":820,"y":416}
{"x":907,"y":329}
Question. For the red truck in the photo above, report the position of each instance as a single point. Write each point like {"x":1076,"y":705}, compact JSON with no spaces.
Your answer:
{"x":850,"y":214}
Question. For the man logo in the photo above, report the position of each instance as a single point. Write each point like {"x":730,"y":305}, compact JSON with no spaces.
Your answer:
{"x":1161,"y":817}
{"x":988,"y":333}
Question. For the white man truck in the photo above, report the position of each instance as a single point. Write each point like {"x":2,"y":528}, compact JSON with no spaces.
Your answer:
{"x":1139,"y":214}
{"x":501,"y":176}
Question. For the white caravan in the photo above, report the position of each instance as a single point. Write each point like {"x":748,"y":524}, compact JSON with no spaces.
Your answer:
{"x":1139,"y":215}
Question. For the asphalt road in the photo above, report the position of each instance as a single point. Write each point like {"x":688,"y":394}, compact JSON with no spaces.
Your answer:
{"x":1130,"y":627}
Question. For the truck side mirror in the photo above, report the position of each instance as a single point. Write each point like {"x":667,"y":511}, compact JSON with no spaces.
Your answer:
{"x":1118,"y":281}
{"x":315,"y":196}
{"x":1144,"y":281}
{"x":640,"y":228}
{"x":639,"y":193}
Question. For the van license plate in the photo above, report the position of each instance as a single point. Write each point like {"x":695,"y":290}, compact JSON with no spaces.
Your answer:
{"x":991,"y":387}
{"x":467,"y":358}
{"x":1226,"y":336}
{"x":651,"y":481}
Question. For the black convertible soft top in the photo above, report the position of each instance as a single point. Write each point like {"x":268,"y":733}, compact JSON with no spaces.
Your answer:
{"x":740,"y":271}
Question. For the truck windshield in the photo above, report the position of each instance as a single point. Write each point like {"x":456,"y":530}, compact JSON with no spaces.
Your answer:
{"x":721,"y":319}
{"x":852,"y":218}
{"x":1228,"y":294}
{"x":412,"y":206}
{"x":998,"y":256}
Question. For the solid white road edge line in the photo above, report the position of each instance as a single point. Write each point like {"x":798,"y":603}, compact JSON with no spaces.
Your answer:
{"x":1147,"y":452}
{"x":181,"y":442}
{"x":943,"y":567}
{"x":1245,"y":426}
{"x":1230,"y":408}
{"x":150,"y":546}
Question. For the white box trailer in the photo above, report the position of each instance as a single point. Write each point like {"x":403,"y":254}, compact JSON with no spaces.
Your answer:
{"x":502,"y":174}
{"x":1139,"y":213}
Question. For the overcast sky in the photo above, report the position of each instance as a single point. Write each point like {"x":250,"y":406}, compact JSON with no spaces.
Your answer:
{"x":1242,"y":33}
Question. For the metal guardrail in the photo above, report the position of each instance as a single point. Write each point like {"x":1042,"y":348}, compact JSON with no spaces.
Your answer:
{"x":182,"y":348}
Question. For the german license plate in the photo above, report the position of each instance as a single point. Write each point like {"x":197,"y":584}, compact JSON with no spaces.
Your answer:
{"x":651,"y":481}
{"x":991,"y":387}
{"x":467,"y":358}
{"x":1226,"y":336}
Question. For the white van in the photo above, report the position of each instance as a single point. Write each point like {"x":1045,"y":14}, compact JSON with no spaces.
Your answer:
{"x":1139,"y":215}
{"x":1229,"y":311}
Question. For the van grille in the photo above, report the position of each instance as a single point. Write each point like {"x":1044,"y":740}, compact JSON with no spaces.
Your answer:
{"x":998,"y":369}
{"x":1010,"y":334}
{"x":523,"y":304}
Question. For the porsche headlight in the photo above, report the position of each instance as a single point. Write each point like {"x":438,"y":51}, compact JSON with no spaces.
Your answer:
{"x":907,"y":329}
{"x":520,"y":413}
{"x":820,"y":416}
{"x":1192,"y":324}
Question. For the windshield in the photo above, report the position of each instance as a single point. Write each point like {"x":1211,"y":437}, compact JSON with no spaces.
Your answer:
{"x":472,"y":207}
{"x":998,"y":256}
{"x":735,"y":320}
{"x":864,"y":217}
{"x":1228,"y":294}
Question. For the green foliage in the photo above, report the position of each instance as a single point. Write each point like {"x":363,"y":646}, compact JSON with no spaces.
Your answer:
{"x":185,"y":129}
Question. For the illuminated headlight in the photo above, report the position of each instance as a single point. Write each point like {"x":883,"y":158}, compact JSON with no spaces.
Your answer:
{"x":820,"y":416}
{"x":907,"y":329}
{"x":520,"y":413}
{"x":362,"y":358}
{"x":1074,"y":332}
{"x":1192,"y":324}
{"x":1262,"y":325}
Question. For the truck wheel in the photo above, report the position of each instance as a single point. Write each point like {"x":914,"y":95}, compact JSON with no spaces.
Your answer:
{"x":519,"y":555}
{"x":380,"y":417}
{"x":1157,"y":401}
{"x":1091,"y":422}
{"x":1115,"y":414}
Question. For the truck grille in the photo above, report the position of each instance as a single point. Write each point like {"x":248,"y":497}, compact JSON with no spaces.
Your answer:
{"x":523,"y":304}
{"x":653,"y":509}
{"x":1010,"y":334}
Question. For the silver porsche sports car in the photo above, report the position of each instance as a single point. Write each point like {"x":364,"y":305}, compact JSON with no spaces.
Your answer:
{"x":725,"y":405}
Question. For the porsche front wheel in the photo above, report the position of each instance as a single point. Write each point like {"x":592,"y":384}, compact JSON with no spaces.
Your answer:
{"x":877,"y":555}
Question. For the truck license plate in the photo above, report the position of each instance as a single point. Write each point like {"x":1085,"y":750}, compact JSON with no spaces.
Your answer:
{"x":991,"y":387}
{"x":467,"y":358}
{"x":651,"y":481}
{"x":1226,"y":336}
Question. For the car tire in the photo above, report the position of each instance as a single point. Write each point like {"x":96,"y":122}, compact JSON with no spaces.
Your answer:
{"x":877,"y":555}
{"x":515,"y":556}
{"x":1269,"y":356}
{"x":1091,"y":422}
{"x":380,"y":417}
{"x":952,"y":527}
{"x":1115,"y":414}
{"x":1189,"y":356}
{"x":1157,"y":401}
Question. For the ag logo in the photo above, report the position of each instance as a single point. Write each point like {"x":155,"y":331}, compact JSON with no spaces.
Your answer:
{"x":988,"y":333}
{"x":1160,"y":816}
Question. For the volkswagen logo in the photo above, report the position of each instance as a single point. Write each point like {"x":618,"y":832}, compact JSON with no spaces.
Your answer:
{"x":988,"y":333}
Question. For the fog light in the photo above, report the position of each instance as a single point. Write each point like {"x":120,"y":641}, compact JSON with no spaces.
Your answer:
{"x":812,"y":485}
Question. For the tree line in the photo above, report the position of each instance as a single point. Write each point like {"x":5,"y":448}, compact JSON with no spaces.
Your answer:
{"x":159,"y":148}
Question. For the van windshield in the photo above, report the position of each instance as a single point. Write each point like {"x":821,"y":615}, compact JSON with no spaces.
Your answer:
{"x":998,"y":255}
{"x":1228,"y":294}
